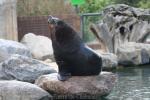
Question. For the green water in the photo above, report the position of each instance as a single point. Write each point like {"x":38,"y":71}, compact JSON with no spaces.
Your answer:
{"x":133,"y":84}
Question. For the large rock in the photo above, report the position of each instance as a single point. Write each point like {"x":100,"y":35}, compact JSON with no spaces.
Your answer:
{"x":23,"y":68}
{"x":15,"y":90}
{"x":40,"y":46}
{"x":78,"y":86}
{"x":122,"y":23}
{"x":134,"y":54}
{"x":8,"y":47}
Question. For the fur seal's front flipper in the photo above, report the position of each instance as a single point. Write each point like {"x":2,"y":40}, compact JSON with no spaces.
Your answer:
{"x":64,"y":72}
{"x":63,"y":77}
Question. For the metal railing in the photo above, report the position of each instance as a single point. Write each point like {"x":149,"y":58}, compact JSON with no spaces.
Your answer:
{"x":83,"y":17}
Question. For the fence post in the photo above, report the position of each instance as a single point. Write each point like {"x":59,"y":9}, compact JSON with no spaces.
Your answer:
{"x":8,"y":20}
{"x":82,"y":25}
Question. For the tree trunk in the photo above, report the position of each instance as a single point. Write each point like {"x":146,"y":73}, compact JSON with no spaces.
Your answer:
{"x":8,"y":20}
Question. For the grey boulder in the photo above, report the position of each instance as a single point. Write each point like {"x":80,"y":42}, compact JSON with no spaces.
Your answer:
{"x":3,"y":55}
{"x":9,"y":47}
{"x":24,"y":69}
{"x":16,"y":90}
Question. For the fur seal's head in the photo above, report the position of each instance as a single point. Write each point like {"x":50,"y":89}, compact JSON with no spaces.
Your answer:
{"x":60,"y":30}
{"x":52,"y":20}
{"x":55,"y":22}
{"x":58,"y":25}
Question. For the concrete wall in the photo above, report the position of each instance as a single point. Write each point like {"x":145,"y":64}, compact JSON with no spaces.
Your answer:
{"x":8,"y":19}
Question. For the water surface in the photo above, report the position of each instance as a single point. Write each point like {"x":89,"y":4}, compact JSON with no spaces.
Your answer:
{"x":133,"y":84}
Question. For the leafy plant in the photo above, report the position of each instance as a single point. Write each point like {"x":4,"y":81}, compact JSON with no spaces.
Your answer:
{"x":91,"y":6}
{"x":144,"y":4}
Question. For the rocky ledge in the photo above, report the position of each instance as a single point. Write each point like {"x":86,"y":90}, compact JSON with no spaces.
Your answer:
{"x":78,"y":86}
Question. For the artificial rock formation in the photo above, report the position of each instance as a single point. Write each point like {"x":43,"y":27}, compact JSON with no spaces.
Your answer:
{"x":120,"y":24}
{"x":133,"y":54}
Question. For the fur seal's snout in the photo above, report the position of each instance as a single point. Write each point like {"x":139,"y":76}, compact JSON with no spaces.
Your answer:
{"x":52,"y":20}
